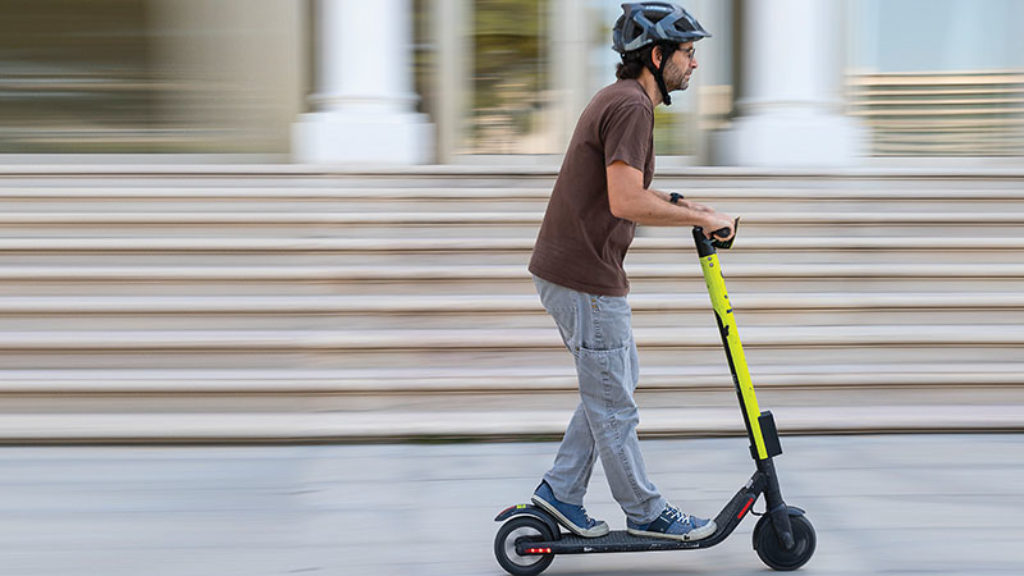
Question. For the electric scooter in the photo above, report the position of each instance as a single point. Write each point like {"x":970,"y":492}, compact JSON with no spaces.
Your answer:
{"x":783,"y":537}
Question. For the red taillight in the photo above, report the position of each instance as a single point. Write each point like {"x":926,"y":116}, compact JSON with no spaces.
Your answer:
{"x":538,"y":550}
{"x":745,"y":509}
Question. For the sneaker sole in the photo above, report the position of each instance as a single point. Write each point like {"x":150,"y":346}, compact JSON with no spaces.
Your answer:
{"x":595,"y":532}
{"x":691,"y":536}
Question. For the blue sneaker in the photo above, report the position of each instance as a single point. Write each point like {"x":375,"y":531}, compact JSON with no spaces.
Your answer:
{"x":572,"y":517}
{"x":674,"y":525}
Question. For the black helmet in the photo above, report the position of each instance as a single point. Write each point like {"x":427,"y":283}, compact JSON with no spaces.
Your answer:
{"x":645,"y":23}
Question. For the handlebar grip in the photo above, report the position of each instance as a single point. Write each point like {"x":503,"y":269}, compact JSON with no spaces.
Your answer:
{"x":725,"y":232}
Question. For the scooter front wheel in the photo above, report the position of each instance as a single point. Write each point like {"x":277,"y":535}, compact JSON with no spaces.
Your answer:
{"x":770,"y":550}
{"x":522,"y":529}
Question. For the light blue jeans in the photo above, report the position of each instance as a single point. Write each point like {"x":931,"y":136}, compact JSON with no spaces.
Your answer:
{"x":598,"y":332}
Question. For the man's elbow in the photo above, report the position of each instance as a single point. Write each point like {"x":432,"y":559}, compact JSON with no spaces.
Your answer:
{"x":620,"y":209}
{"x":623,"y":203}
{"x":624,"y":189}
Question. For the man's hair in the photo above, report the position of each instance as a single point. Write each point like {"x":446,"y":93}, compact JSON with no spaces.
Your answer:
{"x":633,"y":63}
{"x":631,"y":67}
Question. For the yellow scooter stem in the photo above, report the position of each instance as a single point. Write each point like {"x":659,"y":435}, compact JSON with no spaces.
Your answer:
{"x":715,"y":281}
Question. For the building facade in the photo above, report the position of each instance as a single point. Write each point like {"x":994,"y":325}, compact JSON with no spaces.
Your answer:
{"x":350,"y":82}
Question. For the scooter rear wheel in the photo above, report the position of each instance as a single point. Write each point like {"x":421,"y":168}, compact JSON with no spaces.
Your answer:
{"x":518,"y":529}
{"x":770,"y":550}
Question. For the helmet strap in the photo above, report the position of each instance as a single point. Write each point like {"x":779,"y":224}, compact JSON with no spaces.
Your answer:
{"x":659,"y":74}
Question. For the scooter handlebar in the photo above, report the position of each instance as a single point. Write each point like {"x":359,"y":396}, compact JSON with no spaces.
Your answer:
{"x":718,"y":236}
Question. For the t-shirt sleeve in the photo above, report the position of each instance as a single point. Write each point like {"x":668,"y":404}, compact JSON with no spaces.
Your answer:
{"x":627,"y":135}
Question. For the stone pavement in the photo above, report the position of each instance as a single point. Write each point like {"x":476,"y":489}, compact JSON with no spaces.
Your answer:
{"x":900,"y":505}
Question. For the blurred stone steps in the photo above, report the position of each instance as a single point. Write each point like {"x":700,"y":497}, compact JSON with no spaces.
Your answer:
{"x":368,"y":219}
{"x":146,"y":278}
{"x":288,"y":303}
{"x":477,"y":244}
{"x":445,"y":252}
{"x":508,"y":339}
{"x":490,"y":348}
{"x":474,"y":311}
{"x":974,"y":195}
{"x":507,"y":423}
{"x":558,"y":379}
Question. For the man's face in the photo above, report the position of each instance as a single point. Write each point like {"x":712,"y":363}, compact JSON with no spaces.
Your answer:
{"x":680,"y":66}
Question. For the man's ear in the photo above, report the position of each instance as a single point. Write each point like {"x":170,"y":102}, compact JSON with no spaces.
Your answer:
{"x":656,"y":55}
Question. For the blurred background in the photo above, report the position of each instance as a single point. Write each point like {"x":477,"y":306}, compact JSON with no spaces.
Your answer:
{"x":251,"y":220}
{"x":494,"y":77}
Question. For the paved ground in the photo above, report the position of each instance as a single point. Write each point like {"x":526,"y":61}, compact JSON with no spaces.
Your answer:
{"x":898,"y":505}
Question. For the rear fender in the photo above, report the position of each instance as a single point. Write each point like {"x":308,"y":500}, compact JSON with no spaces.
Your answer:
{"x":529,"y":510}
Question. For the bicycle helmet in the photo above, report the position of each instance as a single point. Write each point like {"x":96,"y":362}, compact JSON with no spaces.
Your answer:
{"x":643,"y":24}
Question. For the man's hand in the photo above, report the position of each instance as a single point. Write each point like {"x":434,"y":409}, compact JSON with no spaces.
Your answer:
{"x":716,"y":221}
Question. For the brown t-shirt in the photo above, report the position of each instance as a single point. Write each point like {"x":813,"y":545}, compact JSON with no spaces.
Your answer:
{"x":581,"y":245}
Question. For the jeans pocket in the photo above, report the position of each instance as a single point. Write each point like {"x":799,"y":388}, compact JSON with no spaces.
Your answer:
{"x":608,"y":323}
{"x":606,"y":383}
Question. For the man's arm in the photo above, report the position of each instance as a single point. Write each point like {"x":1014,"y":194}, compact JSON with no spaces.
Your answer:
{"x":629,"y":200}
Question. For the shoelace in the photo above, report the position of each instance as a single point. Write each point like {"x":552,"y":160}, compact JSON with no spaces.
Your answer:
{"x":587,"y":520}
{"x":675,"y":515}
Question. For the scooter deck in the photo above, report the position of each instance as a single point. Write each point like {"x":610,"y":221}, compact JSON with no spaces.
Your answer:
{"x":614,"y":541}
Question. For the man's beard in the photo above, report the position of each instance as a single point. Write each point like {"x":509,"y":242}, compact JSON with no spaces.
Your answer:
{"x":675,"y":79}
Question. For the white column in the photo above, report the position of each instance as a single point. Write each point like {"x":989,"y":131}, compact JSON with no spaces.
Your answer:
{"x":365,"y":104}
{"x":569,"y":24}
{"x":453,"y":84}
{"x":790,"y":111}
